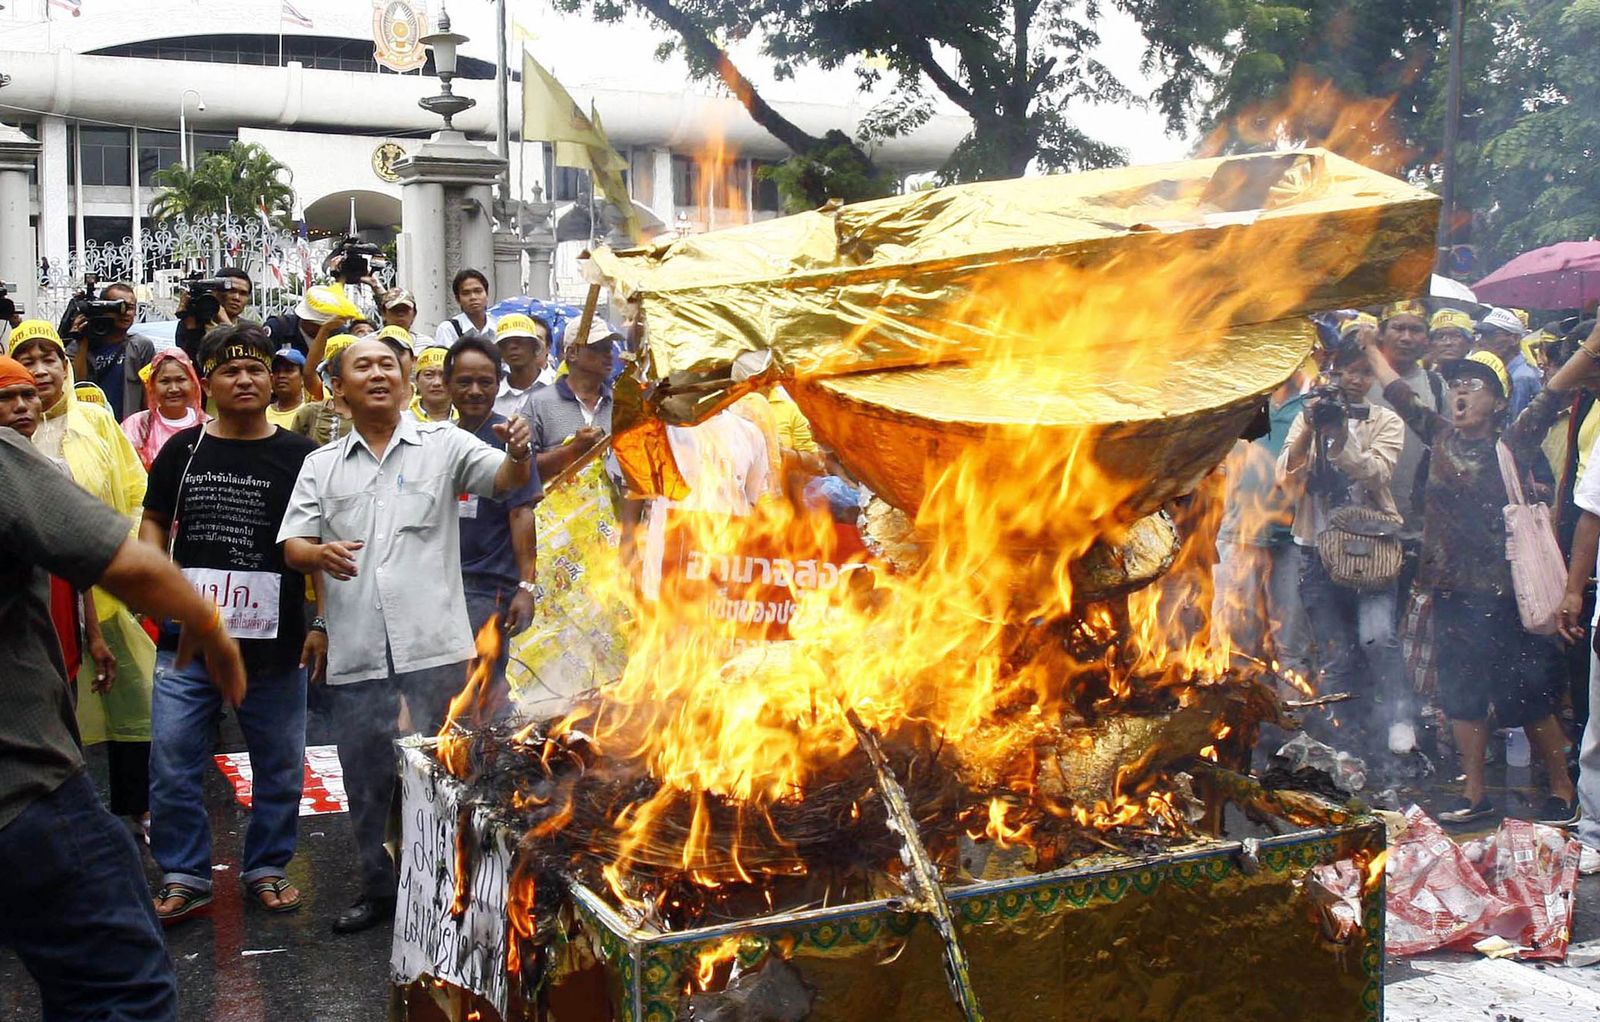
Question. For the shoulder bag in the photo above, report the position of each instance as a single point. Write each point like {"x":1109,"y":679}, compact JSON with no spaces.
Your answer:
{"x":1538,"y":571}
{"x":1360,"y":547}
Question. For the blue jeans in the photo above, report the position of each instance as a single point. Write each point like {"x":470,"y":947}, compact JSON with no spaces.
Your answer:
{"x":1358,"y":646}
{"x":366,"y":717}
{"x":183,"y":716}
{"x":75,"y":909}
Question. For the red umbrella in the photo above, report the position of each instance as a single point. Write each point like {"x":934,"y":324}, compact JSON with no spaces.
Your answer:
{"x":1561,"y":276}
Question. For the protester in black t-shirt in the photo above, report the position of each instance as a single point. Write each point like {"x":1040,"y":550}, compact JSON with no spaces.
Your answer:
{"x":215,"y":498}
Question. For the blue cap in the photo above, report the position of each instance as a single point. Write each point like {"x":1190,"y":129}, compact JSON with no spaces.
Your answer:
{"x":290,"y":354}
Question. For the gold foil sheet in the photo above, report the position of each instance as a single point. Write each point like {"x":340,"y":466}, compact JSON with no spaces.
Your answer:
{"x":906,"y":280}
{"x":1159,"y":426}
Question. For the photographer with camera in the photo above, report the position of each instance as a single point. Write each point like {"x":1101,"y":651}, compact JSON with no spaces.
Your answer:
{"x":202,"y":304}
{"x":103,"y":352}
{"x":1339,"y":458}
{"x":10,"y":315}
{"x":237,"y":292}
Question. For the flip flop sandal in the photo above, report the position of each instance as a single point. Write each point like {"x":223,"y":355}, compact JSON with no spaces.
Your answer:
{"x":190,"y":902}
{"x":274,"y":885}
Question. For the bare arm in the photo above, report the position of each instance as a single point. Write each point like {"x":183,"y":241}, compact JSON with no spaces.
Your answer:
{"x":1580,"y":568}
{"x":141,"y":576}
{"x":308,"y":557}
{"x":524,"y":543}
{"x":1582,"y":369}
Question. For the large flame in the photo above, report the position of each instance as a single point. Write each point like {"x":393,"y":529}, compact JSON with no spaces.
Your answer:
{"x":961,"y":646}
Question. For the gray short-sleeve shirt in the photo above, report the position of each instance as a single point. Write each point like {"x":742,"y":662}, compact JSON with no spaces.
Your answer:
{"x":404,"y":508}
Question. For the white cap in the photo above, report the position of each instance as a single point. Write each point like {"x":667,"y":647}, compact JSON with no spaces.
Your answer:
{"x":1504,"y":320}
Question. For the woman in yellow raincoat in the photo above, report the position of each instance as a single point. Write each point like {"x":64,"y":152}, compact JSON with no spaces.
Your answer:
{"x":113,"y":708}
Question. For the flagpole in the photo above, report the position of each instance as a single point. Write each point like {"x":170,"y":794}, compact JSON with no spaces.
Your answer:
{"x":503,"y":101}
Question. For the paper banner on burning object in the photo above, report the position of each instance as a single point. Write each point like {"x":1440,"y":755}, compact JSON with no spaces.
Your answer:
{"x":469,"y":951}
{"x":575,"y":641}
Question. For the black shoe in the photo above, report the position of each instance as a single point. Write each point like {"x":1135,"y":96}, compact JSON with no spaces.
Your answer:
{"x":1460,"y":812}
{"x":364,"y":915}
{"x":1558,"y":813}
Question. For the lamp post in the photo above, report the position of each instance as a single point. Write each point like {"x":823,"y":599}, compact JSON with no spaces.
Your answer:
{"x":185,"y":156}
{"x":444,"y":44}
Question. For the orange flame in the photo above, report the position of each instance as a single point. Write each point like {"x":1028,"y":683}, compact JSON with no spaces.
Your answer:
{"x":474,"y":696}
{"x":939,"y":647}
{"x":706,"y":962}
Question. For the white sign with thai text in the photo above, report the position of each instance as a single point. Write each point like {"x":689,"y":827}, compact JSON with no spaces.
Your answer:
{"x":469,"y":952}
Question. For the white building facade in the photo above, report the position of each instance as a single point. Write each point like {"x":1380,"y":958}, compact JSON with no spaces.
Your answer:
{"x":105,"y":92}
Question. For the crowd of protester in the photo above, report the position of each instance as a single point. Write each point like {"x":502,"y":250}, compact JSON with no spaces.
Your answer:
{"x":1363,"y":546}
{"x":301,"y":470}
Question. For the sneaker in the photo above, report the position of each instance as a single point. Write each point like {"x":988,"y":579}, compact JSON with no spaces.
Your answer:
{"x":1461,"y":812}
{"x":1402,"y":738}
{"x":1588,"y":860}
{"x":1558,"y":813}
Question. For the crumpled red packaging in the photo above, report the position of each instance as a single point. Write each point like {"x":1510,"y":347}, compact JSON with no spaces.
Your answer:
{"x":1526,"y":864}
{"x":1518,"y":884}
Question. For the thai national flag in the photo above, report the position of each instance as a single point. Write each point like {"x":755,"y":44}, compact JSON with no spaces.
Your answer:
{"x":293,"y":15}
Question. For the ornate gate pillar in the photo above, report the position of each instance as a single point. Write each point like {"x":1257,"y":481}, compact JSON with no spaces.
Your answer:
{"x":446,"y":222}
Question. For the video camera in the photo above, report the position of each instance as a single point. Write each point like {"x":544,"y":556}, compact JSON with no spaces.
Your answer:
{"x":1329,"y":408}
{"x":356,"y":260}
{"x":100,"y":314}
{"x":204,"y":303}
{"x":9,"y":309}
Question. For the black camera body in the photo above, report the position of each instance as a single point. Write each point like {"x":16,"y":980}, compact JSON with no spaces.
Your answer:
{"x":9,"y":309}
{"x":1332,"y":409}
{"x":100,"y":315}
{"x":204,"y":303}
{"x":357,"y":260}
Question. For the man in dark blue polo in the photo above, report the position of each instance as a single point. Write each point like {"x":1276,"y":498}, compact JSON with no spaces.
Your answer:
{"x":497,"y":534}
{"x":571,"y":416}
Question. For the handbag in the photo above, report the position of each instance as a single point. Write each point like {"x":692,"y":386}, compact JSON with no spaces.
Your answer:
{"x":1360,"y":548}
{"x":1538,"y":571}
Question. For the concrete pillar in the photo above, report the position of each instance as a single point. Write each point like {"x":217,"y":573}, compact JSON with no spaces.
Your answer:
{"x":662,"y":201}
{"x":19,"y":261}
{"x":137,"y":233}
{"x":507,"y":274}
{"x":540,"y":243}
{"x":55,"y":210}
{"x":446,"y":200}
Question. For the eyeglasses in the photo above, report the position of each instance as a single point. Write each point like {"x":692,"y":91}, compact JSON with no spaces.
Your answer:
{"x":1472,"y":385}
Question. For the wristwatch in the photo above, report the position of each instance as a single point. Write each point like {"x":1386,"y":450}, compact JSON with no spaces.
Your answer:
{"x":318,"y":625}
{"x":531,"y":588}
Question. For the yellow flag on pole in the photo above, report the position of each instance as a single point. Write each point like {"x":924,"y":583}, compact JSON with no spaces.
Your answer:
{"x":549,"y":113}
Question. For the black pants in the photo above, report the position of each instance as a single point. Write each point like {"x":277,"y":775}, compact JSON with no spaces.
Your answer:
{"x":129,"y":766}
{"x":76,"y":910}
{"x":366,"y":717}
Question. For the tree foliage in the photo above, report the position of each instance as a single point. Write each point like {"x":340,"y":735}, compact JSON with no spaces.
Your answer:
{"x":239,"y":178}
{"x":1530,"y":108}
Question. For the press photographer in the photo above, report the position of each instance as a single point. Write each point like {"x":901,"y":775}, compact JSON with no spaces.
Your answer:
{"x":103,"y":352}
{"x":1338,"y":459}
{"x":200,"y":307}
{"x":10,"y":314}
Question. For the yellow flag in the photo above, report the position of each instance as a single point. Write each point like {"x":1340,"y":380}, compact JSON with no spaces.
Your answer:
{"x":605,"y":169}
{"x":548,"y":111}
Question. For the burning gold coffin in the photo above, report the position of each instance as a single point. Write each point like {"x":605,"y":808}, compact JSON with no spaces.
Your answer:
{"x":1130,"y":317}
{"x":906,"y":280}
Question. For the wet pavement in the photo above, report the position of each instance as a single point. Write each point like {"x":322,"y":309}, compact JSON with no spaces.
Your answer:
{"x":242,"y":964}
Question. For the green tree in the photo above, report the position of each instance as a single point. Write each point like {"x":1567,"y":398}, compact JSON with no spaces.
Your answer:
{"x":1013,"y":66}
{"x":240,"y":177}
{"x":1530,"y":106}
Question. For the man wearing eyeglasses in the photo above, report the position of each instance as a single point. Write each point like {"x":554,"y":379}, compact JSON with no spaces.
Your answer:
{"x":237,"y":296}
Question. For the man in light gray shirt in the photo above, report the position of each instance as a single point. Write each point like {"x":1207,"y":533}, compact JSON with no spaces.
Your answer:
{"x":1403,"y":339}
{"x":377,"y":513}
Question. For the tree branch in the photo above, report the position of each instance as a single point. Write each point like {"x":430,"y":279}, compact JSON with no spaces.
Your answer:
{"x":705,"y":49}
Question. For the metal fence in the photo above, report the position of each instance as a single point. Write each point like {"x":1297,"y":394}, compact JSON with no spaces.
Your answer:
{"x":278,"y":261}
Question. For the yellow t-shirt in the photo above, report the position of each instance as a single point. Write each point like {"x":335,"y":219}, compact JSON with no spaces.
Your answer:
{"x":794,"y":431}
{"x":285,"y":418}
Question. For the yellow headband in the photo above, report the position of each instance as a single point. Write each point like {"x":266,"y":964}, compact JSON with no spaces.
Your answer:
{"x":1451,"y":319}
{"x":432,"y":357}
{"x":1409,"y":307}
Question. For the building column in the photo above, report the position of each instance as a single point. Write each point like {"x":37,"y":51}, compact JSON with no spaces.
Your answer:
{"x":80,"y":242}
{"x":446,"y":197}
{"x":136,"y":234}
{"x":19,"y":261}
{"x":663,"y":201}
{"x":55,"y":210}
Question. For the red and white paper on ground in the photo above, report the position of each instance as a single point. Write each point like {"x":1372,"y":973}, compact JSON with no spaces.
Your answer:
{"x":1519,"y":884}
{"x":324,"y":782}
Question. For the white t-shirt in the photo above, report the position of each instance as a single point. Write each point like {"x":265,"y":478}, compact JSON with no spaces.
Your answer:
{"x":458,"y":326}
